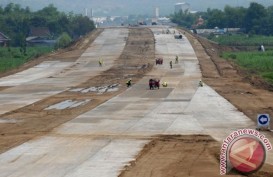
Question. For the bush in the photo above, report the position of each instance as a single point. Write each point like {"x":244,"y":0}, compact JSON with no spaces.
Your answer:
{"x":63,"y":41}
{"x":232,"y":56}
{"x":12,"y":57}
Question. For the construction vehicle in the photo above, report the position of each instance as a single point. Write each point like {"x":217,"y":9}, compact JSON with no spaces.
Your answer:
{"x":154,"y":83}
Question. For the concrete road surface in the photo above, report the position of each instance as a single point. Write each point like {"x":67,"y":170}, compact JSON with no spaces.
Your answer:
{"x":52,"y":77}
{"x":102,"y":141}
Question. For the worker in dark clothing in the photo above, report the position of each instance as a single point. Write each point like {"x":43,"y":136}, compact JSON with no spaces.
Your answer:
{"x":201,"y":84}
{"x":129,"y":83}
{"x":176,"y":59}
{"x":171,"y":64}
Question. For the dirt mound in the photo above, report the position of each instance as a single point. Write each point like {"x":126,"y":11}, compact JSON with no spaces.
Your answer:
{"x":177,"y":156}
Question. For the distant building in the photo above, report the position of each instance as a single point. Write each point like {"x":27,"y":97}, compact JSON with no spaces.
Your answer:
{"x":156,"y":12}
{"x":3,"y":39}
{"x":91,"y":13}
{"x":40,"y":35}
{"x":40,"y":32}
{"x":181,"y":6}
{"x":86,"y":12}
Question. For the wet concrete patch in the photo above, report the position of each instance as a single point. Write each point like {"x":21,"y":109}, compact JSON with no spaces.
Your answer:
{"x":68,"y":104}
{"x":98,"y":89}
{"x":8,"y":121}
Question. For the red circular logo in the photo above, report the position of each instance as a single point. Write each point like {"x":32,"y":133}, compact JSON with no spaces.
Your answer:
{"x":247,"y":154}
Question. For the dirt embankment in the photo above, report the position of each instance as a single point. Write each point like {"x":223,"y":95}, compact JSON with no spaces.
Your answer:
{"x":246,"y":92}
{"x":176,"y":156}
{"x":180,"y":156}
{"x":34,"y":120}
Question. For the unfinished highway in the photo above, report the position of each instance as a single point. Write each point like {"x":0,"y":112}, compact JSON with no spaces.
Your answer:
{"x":102,"y":141}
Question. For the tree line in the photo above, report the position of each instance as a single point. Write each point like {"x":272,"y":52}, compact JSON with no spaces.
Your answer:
{"x":16,"y":22}
{"x":256,"y":19}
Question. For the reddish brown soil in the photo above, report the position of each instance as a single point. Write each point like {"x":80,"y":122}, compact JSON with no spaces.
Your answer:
{"x":179,"y":156}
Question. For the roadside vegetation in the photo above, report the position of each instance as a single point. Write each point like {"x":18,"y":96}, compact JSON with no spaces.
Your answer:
{"x":13,"y":57}
{"x":243,"y":40}
{"x":16,"y":23}
{"x":260,"y":63}
{"x":255,"y":20}
{"x":63,"y":41}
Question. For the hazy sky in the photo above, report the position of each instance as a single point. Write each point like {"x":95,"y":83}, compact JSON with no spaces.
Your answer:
{"x":126,"y":7}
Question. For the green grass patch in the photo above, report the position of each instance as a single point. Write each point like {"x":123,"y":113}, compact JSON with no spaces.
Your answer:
{"x":13,"y":57}
{"x":259,"y":62}
{"x":243,"y":40}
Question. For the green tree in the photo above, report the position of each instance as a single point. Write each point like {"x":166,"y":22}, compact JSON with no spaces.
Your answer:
{"x":63,"y":41}
{"x":255,"y":18}
{"x":234,"y":16}
{"x":269,"y":23}
{"x":216,"y":18}
{"x":184,"y":19}
{"x":81,"y":25}
{"x":16,"y":22}
{"x":50,"y":12}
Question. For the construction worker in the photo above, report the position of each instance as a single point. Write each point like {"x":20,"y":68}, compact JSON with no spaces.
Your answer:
{"x":262,"y":48}
{"x":100,"y":62}
{"x":201,"y":83}
{"x":171,"y":64}
{"x":176,"y":59}
{"x":129,"y":83}
{"x":164,"y":84}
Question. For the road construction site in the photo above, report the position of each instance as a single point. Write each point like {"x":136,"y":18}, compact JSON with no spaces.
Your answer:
{"x":76,"y":118}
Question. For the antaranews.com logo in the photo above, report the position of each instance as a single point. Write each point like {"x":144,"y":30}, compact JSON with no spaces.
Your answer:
{"x":244,"y":150}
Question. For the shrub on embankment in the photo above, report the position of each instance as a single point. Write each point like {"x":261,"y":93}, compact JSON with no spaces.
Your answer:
{"x":13,"y":57}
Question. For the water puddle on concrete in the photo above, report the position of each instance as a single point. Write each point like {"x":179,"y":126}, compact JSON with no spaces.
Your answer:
{"x":98,"y":89}
{"x":67,"y":104}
